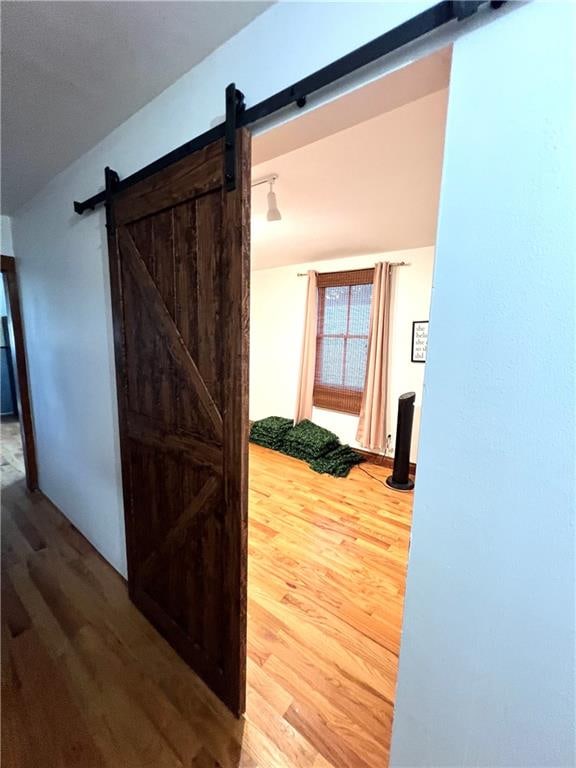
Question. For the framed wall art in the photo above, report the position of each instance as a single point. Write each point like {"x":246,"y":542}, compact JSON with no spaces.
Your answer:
{"x":419,"y":341}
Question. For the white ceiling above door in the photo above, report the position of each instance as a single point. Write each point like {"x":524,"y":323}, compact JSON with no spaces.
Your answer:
{"x":74,"y":71}
{"x":360,"y":175}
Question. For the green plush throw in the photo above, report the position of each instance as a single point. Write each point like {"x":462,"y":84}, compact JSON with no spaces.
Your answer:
{"x":309,"y":441}
{"x":338,"y":462}
{"x":270,"y":432}
{"x":318,"y":446}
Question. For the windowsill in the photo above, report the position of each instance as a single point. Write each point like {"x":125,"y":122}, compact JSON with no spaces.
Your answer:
{"x":336,"y":410}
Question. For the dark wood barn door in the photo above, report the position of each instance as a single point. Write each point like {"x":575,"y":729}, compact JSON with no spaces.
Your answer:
{"x":179,"y":261}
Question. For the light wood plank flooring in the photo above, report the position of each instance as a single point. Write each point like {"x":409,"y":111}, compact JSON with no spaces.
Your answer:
{"x":87,"y":682}
{"x":11,"y":444}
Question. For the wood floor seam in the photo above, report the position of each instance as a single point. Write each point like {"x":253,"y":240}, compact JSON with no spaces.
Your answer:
{"x":88,"y":682}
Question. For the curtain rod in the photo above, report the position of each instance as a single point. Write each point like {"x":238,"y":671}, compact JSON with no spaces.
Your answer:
{"x":360,"y":269}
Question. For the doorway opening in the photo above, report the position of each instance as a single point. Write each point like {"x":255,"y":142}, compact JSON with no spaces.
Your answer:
{"x":17,"y":435}
{"x":336,"y":192}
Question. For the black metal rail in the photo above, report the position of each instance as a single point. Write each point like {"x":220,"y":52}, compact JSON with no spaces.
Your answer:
{"x":237,"y":116}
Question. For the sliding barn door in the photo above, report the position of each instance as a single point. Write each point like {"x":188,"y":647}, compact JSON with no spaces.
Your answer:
{"x":179,"y":261}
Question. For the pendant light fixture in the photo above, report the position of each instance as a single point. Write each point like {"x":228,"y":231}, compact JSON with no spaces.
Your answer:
{"x":273,"y":213}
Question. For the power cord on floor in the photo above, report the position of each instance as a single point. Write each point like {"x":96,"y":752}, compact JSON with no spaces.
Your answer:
{"x":378,"y":480}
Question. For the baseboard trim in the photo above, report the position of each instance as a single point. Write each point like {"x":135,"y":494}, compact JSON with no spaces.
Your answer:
{"x":40,"y":494}
{"x":382,"y":461}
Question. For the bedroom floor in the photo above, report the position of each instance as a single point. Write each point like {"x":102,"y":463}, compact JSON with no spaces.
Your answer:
{"x":87,"y":681}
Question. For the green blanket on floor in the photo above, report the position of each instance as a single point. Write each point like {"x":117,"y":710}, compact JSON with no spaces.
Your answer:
{"x":337,"y":462}
{"x":270,"y":432}
{"x":307,"y":441}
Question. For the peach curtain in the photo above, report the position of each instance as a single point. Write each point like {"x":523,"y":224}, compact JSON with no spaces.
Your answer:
{"x":304,"y":395}
{"x":371,"y":432}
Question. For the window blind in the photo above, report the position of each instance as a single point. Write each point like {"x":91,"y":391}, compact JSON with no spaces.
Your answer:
{"x":342,"y":339}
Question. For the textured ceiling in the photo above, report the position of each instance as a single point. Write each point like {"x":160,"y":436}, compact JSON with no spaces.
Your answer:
{"x":74,"y":71}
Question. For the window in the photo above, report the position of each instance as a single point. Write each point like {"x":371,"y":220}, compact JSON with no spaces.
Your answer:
{"x":342,"y":339}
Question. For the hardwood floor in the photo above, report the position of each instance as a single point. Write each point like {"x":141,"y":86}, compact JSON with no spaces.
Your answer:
{"x":11,"y":451}
{"x":87,"y":682}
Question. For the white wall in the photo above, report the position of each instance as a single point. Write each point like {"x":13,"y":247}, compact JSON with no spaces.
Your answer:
{"x":6,"y":246}
{"x":278,"y":299}
{"x":64,"y":272}
{"x":7,"y":250}
{"x":487,"y":663}
{"x":488,"y":653}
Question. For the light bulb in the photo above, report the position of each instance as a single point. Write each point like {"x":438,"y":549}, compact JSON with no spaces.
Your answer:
{"x":273,"y":212}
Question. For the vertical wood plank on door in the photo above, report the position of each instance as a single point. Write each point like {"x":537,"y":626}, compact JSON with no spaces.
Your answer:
{"x":180,"y":251}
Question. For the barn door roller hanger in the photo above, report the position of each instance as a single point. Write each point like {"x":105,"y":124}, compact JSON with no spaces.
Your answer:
{"x":237,"y":116}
